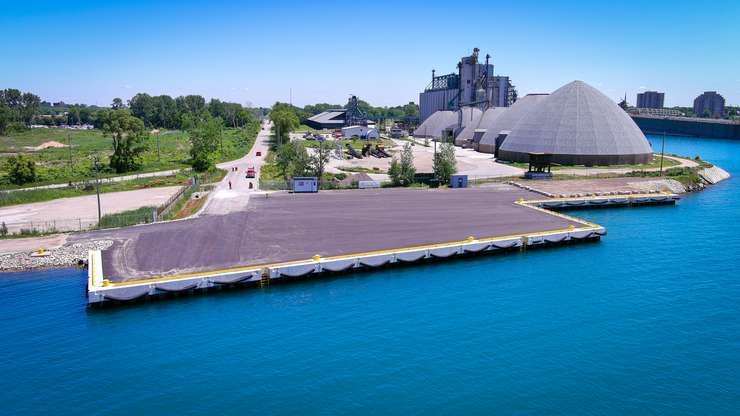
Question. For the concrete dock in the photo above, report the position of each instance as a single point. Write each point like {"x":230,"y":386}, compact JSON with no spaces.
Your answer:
{"x":286,"y":235}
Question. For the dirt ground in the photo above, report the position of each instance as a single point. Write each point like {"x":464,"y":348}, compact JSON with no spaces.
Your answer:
{"x":594,"y":186}
{"x":71,"y":214}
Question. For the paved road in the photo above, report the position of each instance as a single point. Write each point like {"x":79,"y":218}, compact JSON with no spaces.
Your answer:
{"x":224,"y":199}
{"x":73,"y":214}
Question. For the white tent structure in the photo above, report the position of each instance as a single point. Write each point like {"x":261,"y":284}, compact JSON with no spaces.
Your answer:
{"x":436,"y":124}
{"x":468,"y":120}
{"x":473,"y":132}
{"x":505,"y":122}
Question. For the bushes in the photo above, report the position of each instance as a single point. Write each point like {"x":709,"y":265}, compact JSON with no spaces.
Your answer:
{"x":445,"y":163}
{"x":21,"y":170}
{"x":402,"y":172}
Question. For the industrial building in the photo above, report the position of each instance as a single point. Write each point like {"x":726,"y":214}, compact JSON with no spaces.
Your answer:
{"x":576,"y":125}
{"x":474,"y":84}
{"x":497,"y":128}
{"x":650,"y":99}
{"x":709,"y":104}
{"x":339,"y":117}
{"x":363,"y":132}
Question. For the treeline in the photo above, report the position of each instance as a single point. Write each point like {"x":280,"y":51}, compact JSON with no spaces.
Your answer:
{"x":21,"y":109}
{"x":17,"y":108}
{"x":407,"y":112}
{"x":163,"y":111}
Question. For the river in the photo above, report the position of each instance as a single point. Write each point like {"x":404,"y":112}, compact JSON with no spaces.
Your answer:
{"x":647,"y":321}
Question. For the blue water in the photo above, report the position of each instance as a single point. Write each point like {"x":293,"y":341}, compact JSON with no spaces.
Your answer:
{"x":645,"y":322}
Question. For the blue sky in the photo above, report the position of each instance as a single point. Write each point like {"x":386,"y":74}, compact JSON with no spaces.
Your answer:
{"x":256,"y":52}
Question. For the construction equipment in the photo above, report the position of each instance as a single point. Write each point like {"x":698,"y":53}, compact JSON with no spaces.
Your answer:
{"x":353,"y":152}
{"x":381,"y":150}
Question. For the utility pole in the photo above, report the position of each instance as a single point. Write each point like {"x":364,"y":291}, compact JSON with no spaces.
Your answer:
{"x":97,"y":185}
{"x":662,"y":153}
{"x":69,"y":145}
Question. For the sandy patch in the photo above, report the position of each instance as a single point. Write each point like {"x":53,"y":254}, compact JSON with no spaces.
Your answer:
{"x":45,"y":145}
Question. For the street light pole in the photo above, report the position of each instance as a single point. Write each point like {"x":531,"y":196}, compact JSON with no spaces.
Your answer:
{"x":662,"y":153}
{"x":97,"y":185}
{"x":69,"y":145}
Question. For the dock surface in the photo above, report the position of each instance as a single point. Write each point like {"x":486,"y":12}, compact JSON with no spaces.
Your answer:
{"x":290,"y":227}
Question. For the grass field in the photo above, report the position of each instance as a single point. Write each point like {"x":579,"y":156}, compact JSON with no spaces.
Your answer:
{"x":141,"y":215}
{"x":53,"y":164}
{"x":654,"y":164}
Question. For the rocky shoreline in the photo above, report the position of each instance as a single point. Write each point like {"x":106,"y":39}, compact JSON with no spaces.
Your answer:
{"x":72,"y":255}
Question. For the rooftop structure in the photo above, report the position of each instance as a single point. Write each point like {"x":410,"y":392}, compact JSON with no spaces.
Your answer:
{"x":339,"y":117}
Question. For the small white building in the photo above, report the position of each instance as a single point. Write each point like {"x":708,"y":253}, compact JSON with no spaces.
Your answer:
{"x":362,"y":132}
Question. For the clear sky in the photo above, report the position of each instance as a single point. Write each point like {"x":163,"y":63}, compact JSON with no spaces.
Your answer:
{"x":382,"y":51}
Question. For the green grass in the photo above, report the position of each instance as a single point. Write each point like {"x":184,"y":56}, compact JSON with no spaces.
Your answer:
{"x":356,"y":169}
{"x":654,"y":164}
{"x":41,"y":195}
{"x":53,"y":164}
{"x":141,"y":215}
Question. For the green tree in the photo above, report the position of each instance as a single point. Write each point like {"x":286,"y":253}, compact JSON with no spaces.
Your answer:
{"x":402,"y":172}
{"x":205,"y":139}
{"x":284,"y":120}
{"x":6,"y":117}
{"x":117,"y":104}
{"x":292,"y":159}
{"x":320,"y":158}
{"x":445,"y":163}
{"x":21,"y":169}
{"x":129,"y":138}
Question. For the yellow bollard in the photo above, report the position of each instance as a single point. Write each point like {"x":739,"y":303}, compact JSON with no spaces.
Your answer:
{"x":316,"y":257}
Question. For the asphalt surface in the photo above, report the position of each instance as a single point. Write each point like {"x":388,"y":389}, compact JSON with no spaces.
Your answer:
{"x":225,"y":199}
{"x":286,"y":227}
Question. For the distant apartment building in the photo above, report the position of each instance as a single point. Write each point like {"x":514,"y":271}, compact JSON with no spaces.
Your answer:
{"x":709,"y":104}
{"x":650,"y":99}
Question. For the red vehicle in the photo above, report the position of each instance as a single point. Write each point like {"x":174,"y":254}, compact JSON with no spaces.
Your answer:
{"x":251,"y":172}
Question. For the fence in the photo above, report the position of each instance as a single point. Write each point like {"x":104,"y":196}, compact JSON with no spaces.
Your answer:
{"x":167,"y":206}
{"x":89,"y":183}
{"x":31,"y":228}
{"x":141,"y":215}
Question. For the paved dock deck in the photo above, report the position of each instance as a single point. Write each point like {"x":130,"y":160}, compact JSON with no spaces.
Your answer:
{"x":290,"y":227}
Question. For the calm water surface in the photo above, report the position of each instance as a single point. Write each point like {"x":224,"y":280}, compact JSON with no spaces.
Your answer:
{"x":645,"y":322}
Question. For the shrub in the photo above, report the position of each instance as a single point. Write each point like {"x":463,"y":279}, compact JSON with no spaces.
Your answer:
{"x":21,"y":169}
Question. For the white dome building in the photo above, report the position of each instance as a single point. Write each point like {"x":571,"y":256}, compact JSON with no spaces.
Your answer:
{"x":577,"y":125}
